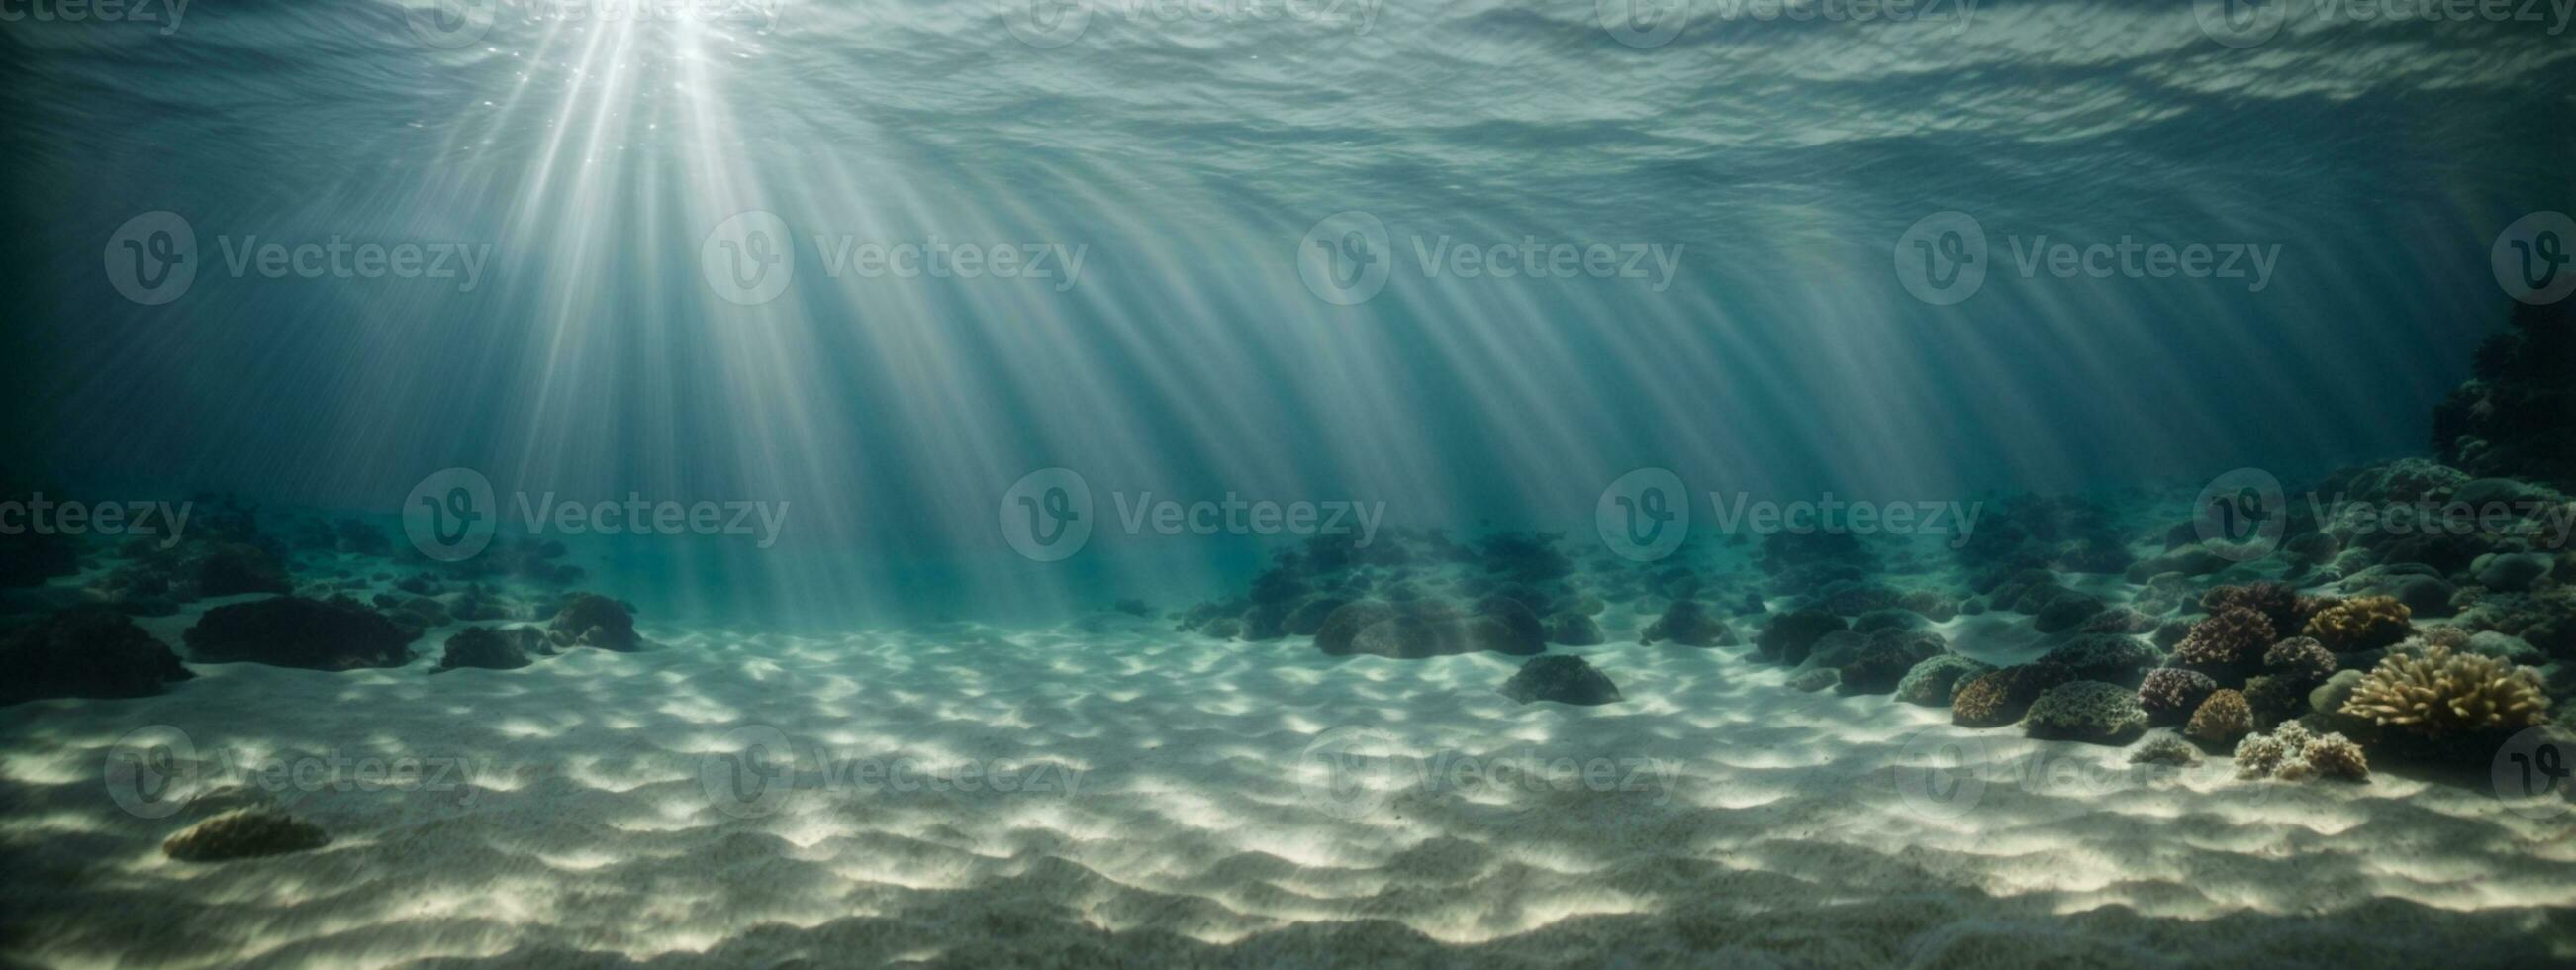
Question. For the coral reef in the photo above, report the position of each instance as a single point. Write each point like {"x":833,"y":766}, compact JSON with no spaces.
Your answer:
{"x":2107,"y":657}
{"x":2364,"y":623}
{"x":244,"y":834}
{"x":2514,"y":416}
{"x":1562,"y":678}
{"x":2300,"y":659}
{"x":2224,"y":717}
{"x":2439,"y":691}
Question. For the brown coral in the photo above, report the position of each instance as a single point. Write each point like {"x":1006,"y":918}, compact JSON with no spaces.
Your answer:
{"x":2002,"y":697}
{"x":2335,"y":756}
{"x":2222,"y":718}
{"x":2170,"y":694}
{"x":2439,"y":691}
{"x":2277,"y":602}
{"x":2232,"y":637}
{"x":2364,"y":623}
{"x":2301,"y":659}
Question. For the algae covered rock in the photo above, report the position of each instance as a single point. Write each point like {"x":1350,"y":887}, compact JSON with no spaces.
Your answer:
{"x":88,"y":651}
{"x":1562,"y":678}
{"x":1691,"y":624}
{"x":244,"y":834}
{"x":493,"y":649}
{"x":292,"y":631}
{"x":1930,"y":682}
{"x":592,"y":620}
{"x":1788,"y":637}
{"x":2001,"y":697}
{"x":2108,"y":657}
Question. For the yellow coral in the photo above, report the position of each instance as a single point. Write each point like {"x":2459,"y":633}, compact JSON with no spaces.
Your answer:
{"x":2222,"y":718}
{"x":2364,"y":623}
{"x":2439,"y":691}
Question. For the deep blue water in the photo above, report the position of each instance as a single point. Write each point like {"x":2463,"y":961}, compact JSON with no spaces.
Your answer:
{"x":1780,"y":164}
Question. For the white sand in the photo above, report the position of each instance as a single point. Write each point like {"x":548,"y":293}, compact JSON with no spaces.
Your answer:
{"x":1764,"y":825}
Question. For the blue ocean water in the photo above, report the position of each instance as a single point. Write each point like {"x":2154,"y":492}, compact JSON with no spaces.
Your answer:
{"x":563,"y":172}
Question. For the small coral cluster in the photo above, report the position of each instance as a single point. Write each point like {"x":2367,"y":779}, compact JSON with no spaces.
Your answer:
{"x":2363,"y":623}
{"x":2224,"y":717}
{"x":2439,"y":691}
{"x":2293,"y":753}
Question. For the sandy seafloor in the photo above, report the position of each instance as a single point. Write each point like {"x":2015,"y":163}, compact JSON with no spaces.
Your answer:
{"x":1176,"y":807}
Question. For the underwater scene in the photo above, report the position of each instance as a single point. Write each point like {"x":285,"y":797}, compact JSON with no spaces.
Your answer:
{"x":1288,"y":483}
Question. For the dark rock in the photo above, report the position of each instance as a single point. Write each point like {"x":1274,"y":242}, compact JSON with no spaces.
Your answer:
{"x":85,"y":652}
{"x":503,"y":649}
{"x":1789,"y":636}
{"x":238,"y":568}
{"x":291,"y":631}
{"x":1563,"y":678}
{"x":1889,"y":656}
{"x":2106,"y":657}
{"x":592,"y":620}
{"x":245,"y":834}
{"x":1575,"y":630}
{"x":1932,"y":681}
{"x":1691,"y":624}
{"x":2086,"y":710}
{"x":1308,"y":618}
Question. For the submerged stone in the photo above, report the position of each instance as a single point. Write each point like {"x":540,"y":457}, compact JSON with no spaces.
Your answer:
{"x":1563,"y":678}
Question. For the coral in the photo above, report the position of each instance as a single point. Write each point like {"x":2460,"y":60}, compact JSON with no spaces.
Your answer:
{"x":2171,"y":694}
{"x":2441,"y":692}
{"x":2066,"y":612}
{"x":1890,"y":655}
{"x":292,"y":631}
{"x":1931,"y":681}
{"x":2222,"y":718}
{"x":2229,"y":640}
{"x":2165,"y":748}
{"x":244,"y":834}
{"x":2086,"y":710}
{"x":2335,"y":756}
{"x":2108,"y":657}
{"x":1562,"y":678}
{"x":2001,"y":697}
{"x":2364,"y":623}
{"x":2301,"y":659}
{"x":88,"y":651}
{"x":2277,"y":602}
{"x":2258,"y":756}
{"x":478,"y":646}
{"x":2514,"y":416}
{"x":2276,"y":698}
